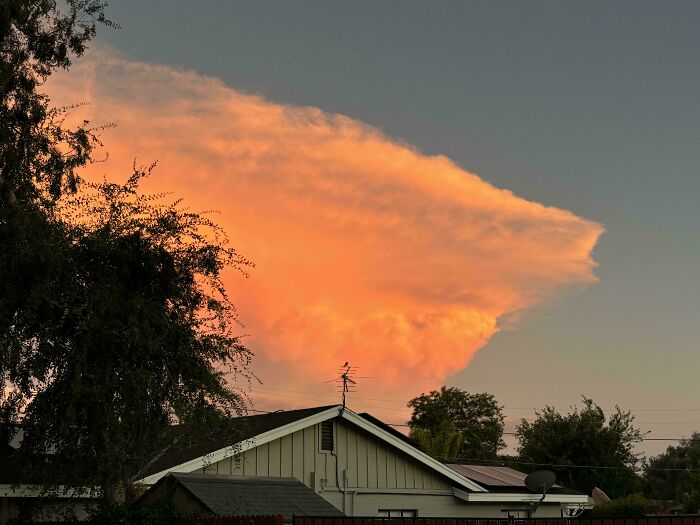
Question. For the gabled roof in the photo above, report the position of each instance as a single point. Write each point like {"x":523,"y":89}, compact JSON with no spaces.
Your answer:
{"x":252,"y":496}
{"x":258,"y":430}
{"x":389,"y":429}
{"x":243,"y":428}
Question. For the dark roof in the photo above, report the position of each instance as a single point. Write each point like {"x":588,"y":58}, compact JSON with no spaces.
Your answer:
{"x":389,"y":429}
{"x":193,"y":444}
{"x":501,"y":479}
{"x":254,"y":496}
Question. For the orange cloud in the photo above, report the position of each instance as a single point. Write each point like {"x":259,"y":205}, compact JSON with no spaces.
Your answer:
{"x":366,"y":250}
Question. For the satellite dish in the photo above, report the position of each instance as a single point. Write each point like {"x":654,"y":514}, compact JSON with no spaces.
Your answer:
{"x":599,"y":496}
{"x":540,"y":481}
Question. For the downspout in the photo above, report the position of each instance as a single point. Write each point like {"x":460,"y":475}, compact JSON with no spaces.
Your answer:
{"x":353,"y":493}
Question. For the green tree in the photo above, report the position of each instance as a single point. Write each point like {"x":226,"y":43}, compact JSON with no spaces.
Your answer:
{"x":630,"y":506}
{"x":675,"y":474}
{"x":39,"y":156}
{"x":583,"y":448}
{"x":466,"y":425}
{"x":114,"y":321}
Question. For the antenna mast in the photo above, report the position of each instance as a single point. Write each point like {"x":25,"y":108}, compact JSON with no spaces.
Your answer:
{"x":346,"y":380}
{"x":343,"y":381}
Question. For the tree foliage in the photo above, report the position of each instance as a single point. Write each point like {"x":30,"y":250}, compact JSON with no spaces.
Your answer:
{"x":39,"y":156}
{"x":114,"y":321}
{"x":451,"y":420}
{"x":584,"y":438}
{"x":675,"y":474}
{"x":630,"y":506}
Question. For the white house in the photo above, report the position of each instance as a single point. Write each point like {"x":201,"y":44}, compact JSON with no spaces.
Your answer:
{"x":361,"y":466}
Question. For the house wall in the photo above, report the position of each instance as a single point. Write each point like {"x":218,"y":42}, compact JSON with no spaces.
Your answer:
{"x":360,"y":460}
{"x":363,"y":476}
{"x":43,"y":509}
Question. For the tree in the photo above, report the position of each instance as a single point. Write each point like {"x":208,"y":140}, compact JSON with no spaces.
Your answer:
{"x":630,"y":506}
{"x":448,"y":416}
{"x":582,"y":448}
{"x":39,"y":156}
{"x":675,"y":474}
{"x":114,"y":321}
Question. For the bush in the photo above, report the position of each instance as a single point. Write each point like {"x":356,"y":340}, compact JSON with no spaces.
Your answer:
{"x":631,"y":506}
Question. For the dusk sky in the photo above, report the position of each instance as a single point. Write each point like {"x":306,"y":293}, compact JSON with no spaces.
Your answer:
{"x":499,"y":196}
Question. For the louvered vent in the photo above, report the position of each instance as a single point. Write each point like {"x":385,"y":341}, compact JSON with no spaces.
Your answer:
{"x":327,"y":436}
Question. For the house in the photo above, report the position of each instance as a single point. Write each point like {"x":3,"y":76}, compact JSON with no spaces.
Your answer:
{"x":45,"y":499}
{"x":508,"y":481}
{"x":203,"y":494}
{"x":359,"y":465}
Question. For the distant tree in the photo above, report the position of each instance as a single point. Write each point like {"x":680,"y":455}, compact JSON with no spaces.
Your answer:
{"x":452,"y":422}
{"x":446,"y":442}
{"x":576,"y":443}
{"x":630,"y":506}
{"x":114,"y":321}
{"x":675,"y":474}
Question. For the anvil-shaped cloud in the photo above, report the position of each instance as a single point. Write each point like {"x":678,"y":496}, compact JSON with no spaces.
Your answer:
{"x":366,"y":250}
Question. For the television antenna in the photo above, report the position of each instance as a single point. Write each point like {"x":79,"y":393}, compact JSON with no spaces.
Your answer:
{"x":345,"y":381}
{"x":540,"y":481}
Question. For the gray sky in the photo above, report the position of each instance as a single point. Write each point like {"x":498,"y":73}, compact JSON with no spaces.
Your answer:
{"x":588,"y":106}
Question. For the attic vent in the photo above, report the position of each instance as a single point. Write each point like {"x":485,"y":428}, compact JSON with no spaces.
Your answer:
{"x":327,"y":436}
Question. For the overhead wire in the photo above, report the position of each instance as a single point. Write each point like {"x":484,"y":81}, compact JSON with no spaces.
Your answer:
{"x":320,"y":396}
{"x":558,"y":465}
{"x":530,"y":463}
{"x":329,"y":394}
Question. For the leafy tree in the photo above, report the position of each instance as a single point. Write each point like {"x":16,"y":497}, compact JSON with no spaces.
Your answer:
{"x":39,"y":156}
{"x":630,"y":506}
{"x":443,"y":443}
{"x":675,"y":474}
{"x":114,"y":321}
{"x":578,"y":442}
{"x":452,"y":420}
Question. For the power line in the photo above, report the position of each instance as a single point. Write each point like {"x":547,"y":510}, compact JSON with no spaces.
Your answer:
{"x":557,"y":465}
{"x":554,"y":465}
{"x":326,"y":397}
{"x":684,"y":409}
{"x":515,"y":434}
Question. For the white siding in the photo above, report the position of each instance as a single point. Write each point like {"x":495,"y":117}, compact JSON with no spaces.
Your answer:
{"x":371,"y":475}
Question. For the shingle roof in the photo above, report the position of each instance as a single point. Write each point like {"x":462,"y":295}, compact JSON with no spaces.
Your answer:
{"x":253,"y":496}
{"x":242,"y":428}
{"x":391,"y":430}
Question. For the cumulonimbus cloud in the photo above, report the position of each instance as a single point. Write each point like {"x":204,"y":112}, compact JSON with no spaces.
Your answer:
{"x":366,"y":250}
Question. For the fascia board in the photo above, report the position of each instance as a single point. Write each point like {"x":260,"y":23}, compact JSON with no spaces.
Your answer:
{"x":238,"y":448}
{"x":505,"y":497}
{"x":411,"y":451}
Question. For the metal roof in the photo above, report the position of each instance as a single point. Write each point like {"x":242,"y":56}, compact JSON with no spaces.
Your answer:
{"x":491,"y":476}
{"x":502,"y":479}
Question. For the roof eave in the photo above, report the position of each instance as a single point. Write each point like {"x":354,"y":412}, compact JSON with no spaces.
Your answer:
{"x":247,"y":444}
{"x":336,"y":411}
{"x":491,"y":497}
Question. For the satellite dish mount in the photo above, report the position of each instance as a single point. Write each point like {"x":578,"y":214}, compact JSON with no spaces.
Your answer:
{"x":540,"y":482}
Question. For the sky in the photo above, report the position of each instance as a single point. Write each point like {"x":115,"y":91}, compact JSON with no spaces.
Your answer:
{"x":499,"y":196}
